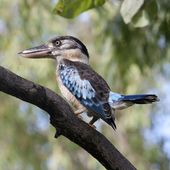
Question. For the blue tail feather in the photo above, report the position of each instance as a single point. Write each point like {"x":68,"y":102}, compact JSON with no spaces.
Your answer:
{"x":140,"y":98}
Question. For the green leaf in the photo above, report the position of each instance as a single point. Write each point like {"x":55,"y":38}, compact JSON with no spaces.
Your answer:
{"x":141,"y":19}
{"x":72,"y":8}
{"x":129,"y":8}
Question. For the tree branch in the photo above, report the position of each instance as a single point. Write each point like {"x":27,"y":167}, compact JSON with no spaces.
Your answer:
{"x":64,"y":120}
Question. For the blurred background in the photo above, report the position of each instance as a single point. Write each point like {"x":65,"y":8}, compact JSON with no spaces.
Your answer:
{"x":132,"y":60}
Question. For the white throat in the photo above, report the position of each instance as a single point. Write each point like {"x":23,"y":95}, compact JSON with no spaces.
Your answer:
{"x":82,"y":59}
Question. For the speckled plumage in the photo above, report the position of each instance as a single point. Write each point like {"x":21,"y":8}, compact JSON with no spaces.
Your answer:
{"x":80,"y":84}
{"x":88,"y":87}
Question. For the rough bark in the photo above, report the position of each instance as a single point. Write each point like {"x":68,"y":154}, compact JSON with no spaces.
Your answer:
{"x":64,"y":120}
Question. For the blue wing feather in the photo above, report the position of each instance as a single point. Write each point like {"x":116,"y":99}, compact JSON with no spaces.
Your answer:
{"x":82,"y":90}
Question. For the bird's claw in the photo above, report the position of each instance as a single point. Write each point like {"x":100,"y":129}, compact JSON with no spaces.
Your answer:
{"x":79,"y":111}
{"x":93,"y":126}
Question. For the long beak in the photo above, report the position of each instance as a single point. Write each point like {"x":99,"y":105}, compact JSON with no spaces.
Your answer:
{"x":42,"y":51}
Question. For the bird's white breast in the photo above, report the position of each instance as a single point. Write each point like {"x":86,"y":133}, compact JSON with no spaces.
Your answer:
{"x":66,"y":93}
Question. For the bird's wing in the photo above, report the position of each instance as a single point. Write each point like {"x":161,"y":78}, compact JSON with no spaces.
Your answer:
{"x":87,"y":86}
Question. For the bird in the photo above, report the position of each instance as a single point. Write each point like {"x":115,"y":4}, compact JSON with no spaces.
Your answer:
{"x":84,"y":89}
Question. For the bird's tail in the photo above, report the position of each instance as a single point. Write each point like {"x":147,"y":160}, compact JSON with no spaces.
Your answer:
{"x":140,"y":98}
{"x":118,"y":101}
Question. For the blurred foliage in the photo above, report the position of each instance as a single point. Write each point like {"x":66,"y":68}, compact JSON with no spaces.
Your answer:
{"x":129,"y":8}
{"x":71,"y":9}
{"x":131,"y":59}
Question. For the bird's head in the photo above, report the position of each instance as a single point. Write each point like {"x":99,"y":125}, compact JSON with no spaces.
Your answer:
{"x":60,"y":47}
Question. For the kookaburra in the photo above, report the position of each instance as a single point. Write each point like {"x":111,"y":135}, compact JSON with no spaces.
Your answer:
{"x":81,"y":86}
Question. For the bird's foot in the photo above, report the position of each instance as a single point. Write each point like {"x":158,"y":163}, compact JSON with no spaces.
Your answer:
{"x":79,"y":111}
{"x":94,"y":119}
{"x":93,"y":126}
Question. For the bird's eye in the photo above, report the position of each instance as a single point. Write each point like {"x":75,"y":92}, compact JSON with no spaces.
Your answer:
{"x":58,"y":43}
